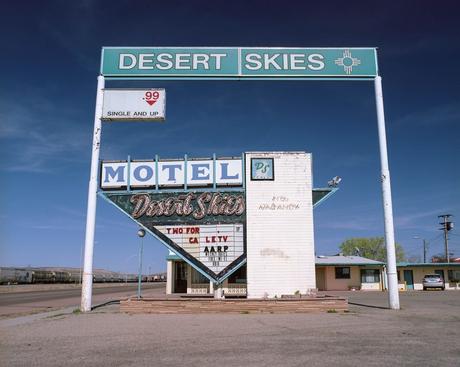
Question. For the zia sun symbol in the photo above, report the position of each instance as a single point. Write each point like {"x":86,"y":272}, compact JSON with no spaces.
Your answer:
{"x":347,"y":61}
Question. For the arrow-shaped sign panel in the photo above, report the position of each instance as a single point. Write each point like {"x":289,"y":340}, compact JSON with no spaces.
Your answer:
{"x":206,"y":229}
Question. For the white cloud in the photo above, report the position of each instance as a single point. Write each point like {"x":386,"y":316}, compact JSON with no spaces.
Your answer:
{"x":36,"y":131}
{"x":415,"y":220}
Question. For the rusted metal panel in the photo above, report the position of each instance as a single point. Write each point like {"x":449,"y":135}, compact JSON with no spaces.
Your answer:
{"x":205,"y":229}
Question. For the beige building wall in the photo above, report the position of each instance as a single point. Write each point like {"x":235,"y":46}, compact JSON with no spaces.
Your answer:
{"x":333,"y":284}
{"x":327,"y":281}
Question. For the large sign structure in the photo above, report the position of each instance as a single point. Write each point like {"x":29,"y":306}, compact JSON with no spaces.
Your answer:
{"x":196,"y":207}
{"x":238,"y":62}
{"x":205,"y":228}
{"x":220,"y":63}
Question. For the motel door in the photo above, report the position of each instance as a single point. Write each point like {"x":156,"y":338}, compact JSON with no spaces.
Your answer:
{"x":409,"y":279}
{"x":321,"y":279}
{"x":180,"y":275}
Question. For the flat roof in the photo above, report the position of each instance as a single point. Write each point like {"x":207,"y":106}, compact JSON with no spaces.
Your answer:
{"x":346,"y":260}
{"x":407,"y":264}
{"x":341,"y":260}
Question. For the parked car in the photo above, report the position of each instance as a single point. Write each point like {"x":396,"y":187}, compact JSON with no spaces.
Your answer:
{"x":433,"y":281}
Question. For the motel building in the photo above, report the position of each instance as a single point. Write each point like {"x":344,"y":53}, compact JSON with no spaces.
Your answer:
{"x":410,"y":275}
{"x":243,"y":226}
{"x":333,"y":273}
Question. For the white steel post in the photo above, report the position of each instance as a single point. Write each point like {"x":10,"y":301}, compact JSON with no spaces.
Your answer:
{"x":393,"y":295}
{"x":87,"y":287}
{"x":139,"y":274}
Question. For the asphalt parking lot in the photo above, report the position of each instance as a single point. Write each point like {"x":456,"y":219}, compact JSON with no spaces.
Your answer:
{"x":425,"y":332}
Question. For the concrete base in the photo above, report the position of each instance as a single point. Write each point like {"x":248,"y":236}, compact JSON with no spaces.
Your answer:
{"x":202,"y":305}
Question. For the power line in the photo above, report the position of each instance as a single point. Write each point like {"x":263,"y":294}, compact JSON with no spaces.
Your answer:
{"x":435,"y":237}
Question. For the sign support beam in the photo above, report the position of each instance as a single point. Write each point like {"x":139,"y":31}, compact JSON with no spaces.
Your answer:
{"x":393,"y":293}
{"x":87,"y":286}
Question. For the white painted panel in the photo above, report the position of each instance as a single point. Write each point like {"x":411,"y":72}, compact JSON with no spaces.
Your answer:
{"x":200,"y":172}
{"x":134,"y":104}
{"x":229,"y":171}
{"x":171,"y":173}
{"x":114,"y":175}
{"x":142,"y":174}
{"x":280,"y":242}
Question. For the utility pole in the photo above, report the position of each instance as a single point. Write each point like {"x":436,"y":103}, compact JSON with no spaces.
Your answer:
{"x":447,"y":225}
{"x":424,"y":251}
{"x":425,"y":243}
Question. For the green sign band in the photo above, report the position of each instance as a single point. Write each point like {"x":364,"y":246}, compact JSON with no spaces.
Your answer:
{"x":238,"y":62}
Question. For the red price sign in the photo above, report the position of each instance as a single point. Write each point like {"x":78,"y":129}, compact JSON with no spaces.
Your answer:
{"x":151,"y":96}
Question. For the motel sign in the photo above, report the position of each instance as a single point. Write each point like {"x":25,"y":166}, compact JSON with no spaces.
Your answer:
{"x":238,"y":62}
{"x":171,"y":173}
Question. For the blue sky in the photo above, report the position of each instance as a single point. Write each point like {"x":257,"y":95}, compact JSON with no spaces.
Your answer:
{"x":50,"y":60}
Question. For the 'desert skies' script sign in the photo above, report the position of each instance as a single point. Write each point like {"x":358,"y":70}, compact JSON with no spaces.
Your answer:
{"x":238,"y":62}
{"x":190,"y":206}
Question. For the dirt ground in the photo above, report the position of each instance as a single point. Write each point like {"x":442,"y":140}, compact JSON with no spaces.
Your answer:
{"x":426,"y":332}
{"x":41,"y":297}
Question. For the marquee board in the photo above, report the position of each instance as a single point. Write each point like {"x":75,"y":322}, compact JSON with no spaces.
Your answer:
{"x":215,"y":246}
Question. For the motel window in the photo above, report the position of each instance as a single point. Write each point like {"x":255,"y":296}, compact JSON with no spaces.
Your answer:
{"x":342,"y":272}
{"x":198,"y":278}
{"x":238,"y":276}
{"x":370,"y":276}
{"x":453,"y":275}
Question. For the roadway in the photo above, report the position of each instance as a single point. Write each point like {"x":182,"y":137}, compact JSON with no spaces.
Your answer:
{"x":21,"y":303}
{"x":425,"y":332}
